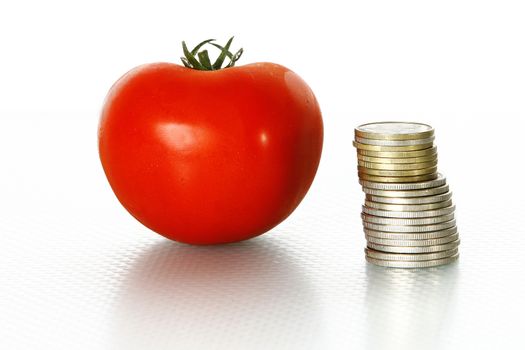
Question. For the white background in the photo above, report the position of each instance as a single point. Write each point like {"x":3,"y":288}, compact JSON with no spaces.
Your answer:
{"x":78,"y":272}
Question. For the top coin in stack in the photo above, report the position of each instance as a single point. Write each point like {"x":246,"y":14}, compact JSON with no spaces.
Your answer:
{"x":394,"y":131}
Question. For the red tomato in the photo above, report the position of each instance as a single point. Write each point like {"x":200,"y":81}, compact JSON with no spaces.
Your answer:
{"x":208,"y":157}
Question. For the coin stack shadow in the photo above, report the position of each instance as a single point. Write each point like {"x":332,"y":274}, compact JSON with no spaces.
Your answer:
{"x":408,"y":216}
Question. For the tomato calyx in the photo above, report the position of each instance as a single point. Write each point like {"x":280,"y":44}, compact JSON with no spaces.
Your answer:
{"x":200,"y":60}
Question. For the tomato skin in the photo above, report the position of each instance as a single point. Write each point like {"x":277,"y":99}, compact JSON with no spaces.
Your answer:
{"x":207,"y":157}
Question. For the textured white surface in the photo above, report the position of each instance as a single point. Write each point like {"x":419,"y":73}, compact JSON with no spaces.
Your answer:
{"x":78,"y":272}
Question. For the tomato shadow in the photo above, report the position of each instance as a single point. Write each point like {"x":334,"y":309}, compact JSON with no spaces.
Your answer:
{"x":247,"y":295}
{"x":410,"y":308}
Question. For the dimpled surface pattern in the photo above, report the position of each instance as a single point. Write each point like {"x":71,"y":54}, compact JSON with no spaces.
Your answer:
{"x":78,"y":272}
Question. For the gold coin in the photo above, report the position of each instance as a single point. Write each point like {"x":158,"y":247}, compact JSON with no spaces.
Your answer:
{"x":363,"y":146}
{"x":396,"y":173}
{"x":408,"y":207}
{"x":414,"y":160}
{"x":394,"y":131}
{"x":398,"y":154}
{"x":380,"y":166}
{"x":398,"y":179}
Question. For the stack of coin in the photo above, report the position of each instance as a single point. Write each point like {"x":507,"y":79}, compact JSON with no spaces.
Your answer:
{"x":408,"y":216}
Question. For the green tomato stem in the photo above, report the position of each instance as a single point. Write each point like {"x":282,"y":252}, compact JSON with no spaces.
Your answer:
{"x":200,"y":60}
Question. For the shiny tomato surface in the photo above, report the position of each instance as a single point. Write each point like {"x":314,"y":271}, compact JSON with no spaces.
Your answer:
{"x":208,"y":157}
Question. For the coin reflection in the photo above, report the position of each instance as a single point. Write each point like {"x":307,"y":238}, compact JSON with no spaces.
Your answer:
{"x":409,"y":308}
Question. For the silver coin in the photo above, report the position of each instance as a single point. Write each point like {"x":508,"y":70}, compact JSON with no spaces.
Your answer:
{"x":409,"y":257}
{"x":394,"y":142}
{"x":411,"y":235}
{"x":408,"y":207}
{"x":413,"y":242}
{"x":394,"y":130}
{"x":402,"y":228}
{"x":413,"y":264}
{"x":407,"y":194}
{"x":409,"y":214}
{"x":412,"y":200}
{"x":439,"y":181}
{"x":406,"y":222}
{"x":414,"y":250}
